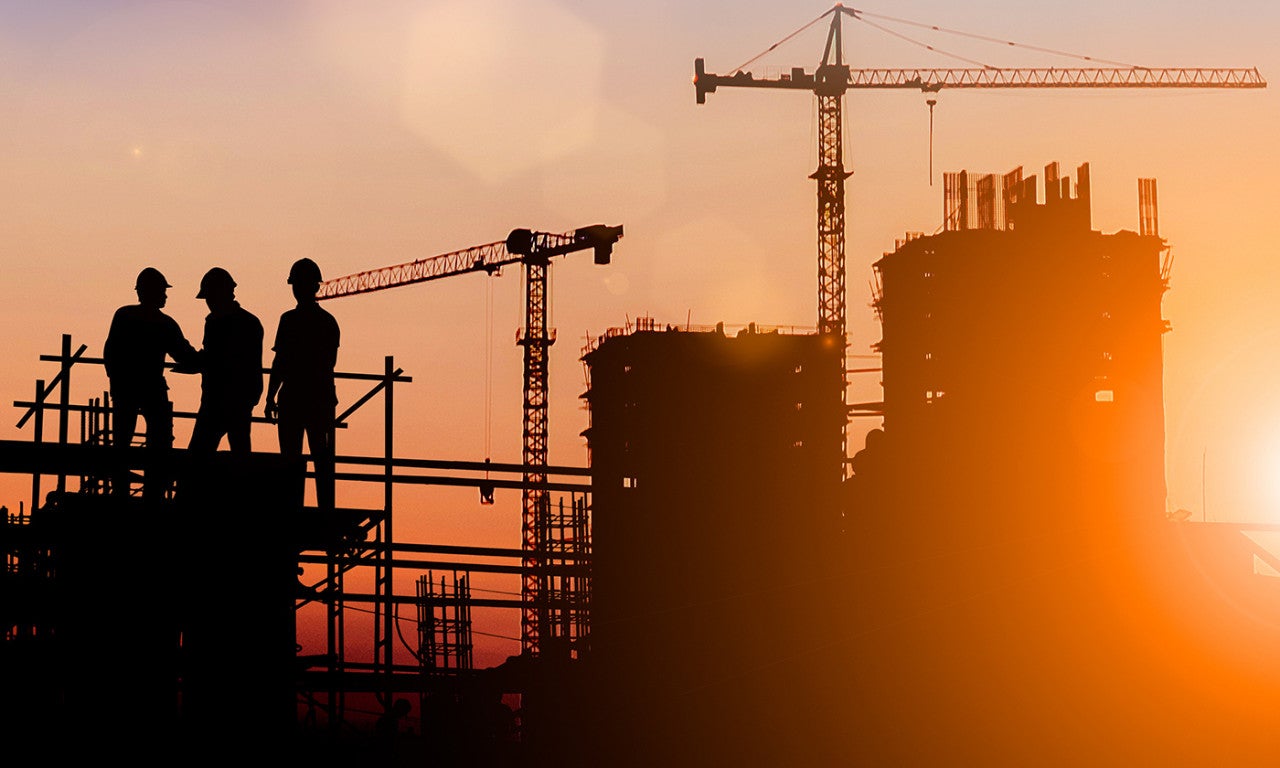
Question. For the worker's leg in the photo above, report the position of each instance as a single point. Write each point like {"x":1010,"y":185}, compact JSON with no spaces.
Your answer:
{"x":124,"y":418}
{"x":320,"y":443}
{"x":158,"y":413}
{"x":239,"y":430}
{"x":289,"y":430}
{"x":207,"y":433}
{"x":124,"y":424}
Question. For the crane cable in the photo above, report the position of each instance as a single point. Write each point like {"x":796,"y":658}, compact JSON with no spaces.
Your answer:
{"x":932,"y":100}
{"x":752,"y":60}
{"x":859,"y":14}
{"x":924,"y":45}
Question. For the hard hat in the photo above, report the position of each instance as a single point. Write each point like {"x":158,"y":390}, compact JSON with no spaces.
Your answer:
{"x":304,"y":271}
{"x":150,"y":278}
{"x":217,"y":281}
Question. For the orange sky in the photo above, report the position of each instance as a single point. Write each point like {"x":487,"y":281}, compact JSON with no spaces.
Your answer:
{"x":185,"y":135}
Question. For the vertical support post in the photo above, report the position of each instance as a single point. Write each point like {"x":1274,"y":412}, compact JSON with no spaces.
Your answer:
{"x":423,"y":608}
{"x":88,"y":434}
{"x":464,"y":601}
{"x":1148,"y":210}
{"x":386,"y":591}
{"x":1012,"y":194}
{"x":1052,"y":184}
{"x":64,"y":401}
{"x":335,"y":611}
{"x":39,"y":437}
{"x":1084,"y":197}
{"x":105,"y":435}
{"x":582,"y":582}
{"x":336,"y":637}
{"x":335,"y":632}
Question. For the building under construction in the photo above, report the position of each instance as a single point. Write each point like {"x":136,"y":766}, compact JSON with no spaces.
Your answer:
{"x":1022,"y":368}
{"x":716,"y":465}
{"x":1023,"y":595}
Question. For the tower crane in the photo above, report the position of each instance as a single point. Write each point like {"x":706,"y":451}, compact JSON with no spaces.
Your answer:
{"x":534,"y":250}
{"x":833,"y":77}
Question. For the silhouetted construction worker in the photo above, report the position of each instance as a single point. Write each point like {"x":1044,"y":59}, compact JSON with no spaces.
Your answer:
{"x":306,"y":353}
{"x":230,"y":367}
{"x":140,"y":338}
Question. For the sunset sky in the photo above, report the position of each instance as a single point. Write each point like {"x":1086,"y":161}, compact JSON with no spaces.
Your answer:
{"x":184,"y":135}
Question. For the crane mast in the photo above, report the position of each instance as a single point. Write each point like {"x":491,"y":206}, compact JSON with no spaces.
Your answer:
{"x":534,"y":250}
{"x":832,"y":78}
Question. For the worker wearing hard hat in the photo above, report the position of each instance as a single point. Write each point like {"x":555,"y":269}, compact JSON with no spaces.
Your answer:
{"x":302,"y":374}
{"x":230,"y":367}
{"x":140,"y":338}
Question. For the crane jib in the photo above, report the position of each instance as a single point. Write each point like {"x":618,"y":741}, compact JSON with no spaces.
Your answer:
{"x":520,"y":245}
{"x":934,"y":79}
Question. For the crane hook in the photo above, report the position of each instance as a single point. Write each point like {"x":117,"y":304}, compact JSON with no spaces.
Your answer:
{"x":931,"y":102}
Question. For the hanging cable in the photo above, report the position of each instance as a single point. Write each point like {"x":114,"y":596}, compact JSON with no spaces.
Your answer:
{"x":488,"y":369}
{"x":931,"y":102}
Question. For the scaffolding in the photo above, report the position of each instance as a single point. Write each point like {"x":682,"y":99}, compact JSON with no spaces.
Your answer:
{"x":444,"y":624}
{"x":353,"y":548}
{"x":568,"y":537}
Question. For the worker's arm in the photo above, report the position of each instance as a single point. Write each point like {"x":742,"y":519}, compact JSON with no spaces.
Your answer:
{"x":187,"y":357}
{"x":110,"y":347}
{"x":272,"y":411}
{"x":274,"y":379}
{"x":256,"y":361}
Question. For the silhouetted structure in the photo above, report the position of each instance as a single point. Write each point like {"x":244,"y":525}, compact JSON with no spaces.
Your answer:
{"x":716,"y":464}
{"x":126,"y":627}
{"x":1000,"y":586}
{"x":178,"y":619}
{"x":833,"y":78}
{"x":548,"y":535}
{"x":1021,"y":597}
{"x":1022,"y":365}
